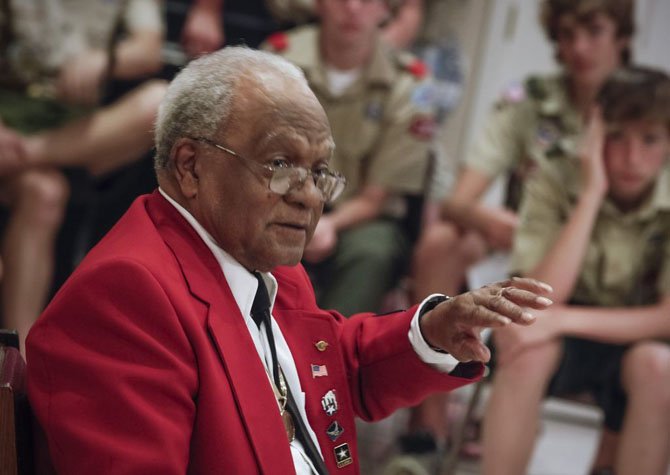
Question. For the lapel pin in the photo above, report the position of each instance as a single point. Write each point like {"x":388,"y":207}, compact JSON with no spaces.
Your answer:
{"x":319,"y":370}
{"x":329,"y":402}
{"x":321,"y":345}
{"x":334,"y":431}
{"x":343,"y":455}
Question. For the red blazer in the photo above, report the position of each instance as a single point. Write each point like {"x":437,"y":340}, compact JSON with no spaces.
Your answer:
{"x":142,"y":363}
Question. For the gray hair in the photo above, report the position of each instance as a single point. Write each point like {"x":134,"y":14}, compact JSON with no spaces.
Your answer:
{"x":200,"y":98}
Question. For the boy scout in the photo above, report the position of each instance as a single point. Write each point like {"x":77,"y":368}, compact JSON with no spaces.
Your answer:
{"x":382,"y":124}
{"x":597,"y":229}
{"x":533,"y":125}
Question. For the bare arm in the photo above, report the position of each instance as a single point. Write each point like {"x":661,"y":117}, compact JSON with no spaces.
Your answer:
{"x":136,"y":56}
{"x":562,"y":264}
{"x":365,"y":206}
{"x":463,"y":207}
{"x":615,"y":325}
{"x":203,"y":29}
{"x":619,"y":326}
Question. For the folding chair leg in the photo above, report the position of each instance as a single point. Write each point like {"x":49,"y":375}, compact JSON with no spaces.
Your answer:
{"x":451,"y":459}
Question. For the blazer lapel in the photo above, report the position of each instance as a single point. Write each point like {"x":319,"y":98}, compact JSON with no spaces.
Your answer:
{"x":230,"y":336}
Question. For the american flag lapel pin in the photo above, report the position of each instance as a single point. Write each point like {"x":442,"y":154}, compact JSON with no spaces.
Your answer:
{"x":319,"y":370}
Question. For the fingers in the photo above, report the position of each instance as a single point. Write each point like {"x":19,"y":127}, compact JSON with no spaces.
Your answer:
{"x":471,"y":349}
{"x":525,"y":298}
{"x":525,"y":283}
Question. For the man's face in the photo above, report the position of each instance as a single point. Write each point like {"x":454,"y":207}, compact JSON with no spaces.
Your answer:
{"x":634,"y":153}
{"x":259,"y":228}
{"x":351,"y":22}
{"x":589,"y":51}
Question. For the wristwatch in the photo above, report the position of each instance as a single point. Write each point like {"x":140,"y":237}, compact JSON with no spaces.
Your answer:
{"x":429,"y":305}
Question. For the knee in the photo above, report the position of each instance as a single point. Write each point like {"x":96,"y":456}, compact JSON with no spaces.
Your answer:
{"x":537,"y":363}
{"x":646,"y":369}
{"x":42,"y":196}
{"x":437,"y":242}
{"x":472,"y":248}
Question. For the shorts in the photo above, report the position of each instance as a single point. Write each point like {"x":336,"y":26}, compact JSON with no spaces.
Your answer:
{"x":30,"y":115}
{"x":596,"y":368}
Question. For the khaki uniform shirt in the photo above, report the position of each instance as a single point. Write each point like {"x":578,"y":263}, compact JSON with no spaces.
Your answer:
{"x":48,"y":33}
{"x":532,"y":125}
{"x":381,"y":124}
{"x":627,"y":262}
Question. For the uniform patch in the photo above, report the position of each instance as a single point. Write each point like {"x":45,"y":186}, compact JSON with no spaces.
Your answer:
{"x":374,"y":110}
{"x":424,"y":96}
{"x":278,"y":41}
{"x":334,"y":431}
{"x":423,"y":127}
{"x":547,"y":134}
{"x":329,"y":402}
{"x":343,"y":455}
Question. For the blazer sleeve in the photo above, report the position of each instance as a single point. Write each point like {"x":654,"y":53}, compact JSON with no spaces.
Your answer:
{"x":383,"y":370}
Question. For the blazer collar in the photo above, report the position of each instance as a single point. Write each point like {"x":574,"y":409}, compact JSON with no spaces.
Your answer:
{"x":229,"y":334}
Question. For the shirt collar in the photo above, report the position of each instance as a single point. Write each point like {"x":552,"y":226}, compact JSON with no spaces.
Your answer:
{"x":242,"y":283}
{"x":658,"y":201}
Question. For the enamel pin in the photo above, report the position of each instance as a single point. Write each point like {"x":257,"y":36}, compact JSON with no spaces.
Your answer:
{"x":343,"y":455}
{"x":329,"y":402}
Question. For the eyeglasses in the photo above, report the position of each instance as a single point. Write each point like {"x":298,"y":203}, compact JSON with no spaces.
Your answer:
{"x":286,"y":177}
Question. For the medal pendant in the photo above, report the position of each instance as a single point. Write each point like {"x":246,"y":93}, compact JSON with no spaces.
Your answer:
{"x":288,"y":425}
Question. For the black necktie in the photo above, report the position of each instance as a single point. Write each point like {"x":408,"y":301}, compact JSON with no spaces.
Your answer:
{"x":260,"y":312}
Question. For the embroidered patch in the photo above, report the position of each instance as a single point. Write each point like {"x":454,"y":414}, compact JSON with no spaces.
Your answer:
{"x":423,"y":127}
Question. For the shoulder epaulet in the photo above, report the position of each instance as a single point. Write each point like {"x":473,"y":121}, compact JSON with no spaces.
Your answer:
{"x":536,"y":87}
{"x":513,"y":93}
{"x":410,"y":63}
{"x":278,"y":41}
{"x":417,"y":68}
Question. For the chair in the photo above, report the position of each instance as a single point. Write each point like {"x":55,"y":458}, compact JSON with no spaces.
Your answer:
{"x":13,"y":410}
{"x":22,"y":443}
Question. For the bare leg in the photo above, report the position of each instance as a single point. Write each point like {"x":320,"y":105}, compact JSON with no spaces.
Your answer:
{"x":39,"y":198}
{"x":107,"y":139}
{"x":442,"y":258}
{"x":607,"y":450}
{"x":441,"y":261}
{"x":511,"y":418}
{"x":645,"y":438}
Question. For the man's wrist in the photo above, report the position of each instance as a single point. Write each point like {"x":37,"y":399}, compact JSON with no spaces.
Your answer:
{"x":429,"y":305}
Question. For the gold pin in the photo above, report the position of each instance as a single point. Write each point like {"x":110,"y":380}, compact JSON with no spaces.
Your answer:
{"x":321,"y":345}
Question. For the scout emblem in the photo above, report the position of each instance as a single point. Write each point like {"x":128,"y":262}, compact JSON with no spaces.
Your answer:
{"x":334,"y":431}
{"x":374,"y":111}
{"x":321,"y":345}
{"x":343,"y":455}
{"x":329,"y":402}
{"x":319,"y":370}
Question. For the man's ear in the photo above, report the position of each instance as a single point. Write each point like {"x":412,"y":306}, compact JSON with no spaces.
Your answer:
{"x":184,"y":157}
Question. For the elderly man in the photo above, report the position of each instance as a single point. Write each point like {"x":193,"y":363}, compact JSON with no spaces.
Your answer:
{"x":189,"y":339}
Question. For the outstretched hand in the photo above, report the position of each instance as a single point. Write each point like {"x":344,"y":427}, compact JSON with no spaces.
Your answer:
{"x":454,"y":325}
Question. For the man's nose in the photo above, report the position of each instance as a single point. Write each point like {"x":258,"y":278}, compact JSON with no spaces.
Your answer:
{"x":306,"y":193}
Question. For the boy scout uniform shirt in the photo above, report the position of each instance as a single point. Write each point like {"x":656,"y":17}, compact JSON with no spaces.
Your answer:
{"x":532,"y":125}
{"x":46,"y":34}
{"x":381,"y":124}
{"x":627,"y":262}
